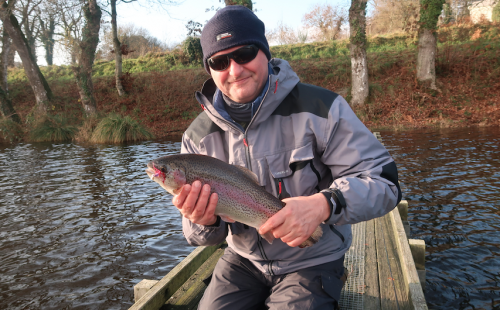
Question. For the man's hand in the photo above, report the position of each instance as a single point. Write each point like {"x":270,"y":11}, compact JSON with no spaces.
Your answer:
{"x":298,"y":219}
{"x":196,"y":204}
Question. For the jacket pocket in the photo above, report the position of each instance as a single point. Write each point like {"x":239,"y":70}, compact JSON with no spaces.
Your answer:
{"x":293,"y":172}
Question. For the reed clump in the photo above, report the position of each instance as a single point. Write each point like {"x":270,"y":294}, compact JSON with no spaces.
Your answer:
{"x":10,"y":131}
{"x":87,"y":128}
{"x":115,"y":128}
{"x":52,"y":128}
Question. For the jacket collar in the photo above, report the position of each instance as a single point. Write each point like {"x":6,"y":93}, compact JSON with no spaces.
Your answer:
{"x":281,"y":81}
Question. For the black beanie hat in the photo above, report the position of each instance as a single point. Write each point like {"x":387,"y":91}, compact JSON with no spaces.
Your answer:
{"x":232,"y":26}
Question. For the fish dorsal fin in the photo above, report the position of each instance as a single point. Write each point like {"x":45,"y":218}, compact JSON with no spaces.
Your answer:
{"x":249,"y":173}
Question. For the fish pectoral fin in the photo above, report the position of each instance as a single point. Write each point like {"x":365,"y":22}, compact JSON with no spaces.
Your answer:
{"x":269,"y":237}
{"x":313,"y":239}
{"x":226,"y":219}
{"x":249,"y":173}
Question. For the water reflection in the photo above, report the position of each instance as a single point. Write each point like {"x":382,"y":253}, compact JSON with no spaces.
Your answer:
{"x":81,"y":224}
{"x":452,"y":180}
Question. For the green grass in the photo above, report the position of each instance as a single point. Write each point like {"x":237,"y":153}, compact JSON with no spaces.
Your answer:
{"x":117,"y":129}
{"x":56,"y":128}
{"x":177,"y":60}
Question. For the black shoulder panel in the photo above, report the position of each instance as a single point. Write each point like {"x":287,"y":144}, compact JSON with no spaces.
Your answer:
{"x":390,"y":172}
{"x":307,"y":98}
{"x":201,"y":127}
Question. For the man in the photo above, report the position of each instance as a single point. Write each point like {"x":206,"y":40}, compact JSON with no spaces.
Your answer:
{"x":306,"y":146}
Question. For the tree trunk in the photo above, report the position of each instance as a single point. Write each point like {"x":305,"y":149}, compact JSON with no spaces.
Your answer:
{"x":28,"y":32}
{"x":426,"y":59}
{"x":88,"y":46}
{"x":357,"y":46}
{"x":118,"y":50}
{"x":4,"y":60}
{"x":6,"y":108}
{"x":42,"y":91}
{"x":47,"y":38}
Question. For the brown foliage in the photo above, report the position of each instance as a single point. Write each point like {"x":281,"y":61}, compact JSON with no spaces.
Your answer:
{"x":468,"y":75}
{"x":394,"y":16}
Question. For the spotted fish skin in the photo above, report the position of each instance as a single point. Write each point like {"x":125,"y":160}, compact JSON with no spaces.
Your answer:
{"x":241,"y":198}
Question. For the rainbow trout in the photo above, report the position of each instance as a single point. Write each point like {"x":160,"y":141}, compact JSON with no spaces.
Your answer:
{"x":241,"y":198}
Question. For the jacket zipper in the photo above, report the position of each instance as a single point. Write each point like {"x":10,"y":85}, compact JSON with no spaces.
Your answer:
{"x":245,"y":141}
{"x":249,"y":164}
{"x":263,"y":254}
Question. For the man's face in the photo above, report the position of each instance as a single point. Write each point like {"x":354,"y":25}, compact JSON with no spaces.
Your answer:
{"x":242,"y":83}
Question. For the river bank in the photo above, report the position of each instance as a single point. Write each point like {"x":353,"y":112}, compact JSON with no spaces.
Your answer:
{"x":467,"y":67}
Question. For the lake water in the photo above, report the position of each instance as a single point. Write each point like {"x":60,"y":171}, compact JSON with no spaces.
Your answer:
{"x":81,"y":224}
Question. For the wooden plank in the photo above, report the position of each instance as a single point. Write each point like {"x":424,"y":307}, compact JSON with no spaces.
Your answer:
{"x":412,"y":281}
{"x":142,"y":288}
{"x":391,"y":280}
{"x":371,"y":300}
{"x":189,"y":295}
{"x":170,"y":283}
{"x":403,"y":210}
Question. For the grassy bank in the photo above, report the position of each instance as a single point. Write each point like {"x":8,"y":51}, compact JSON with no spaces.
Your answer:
{"x":160,"y":90}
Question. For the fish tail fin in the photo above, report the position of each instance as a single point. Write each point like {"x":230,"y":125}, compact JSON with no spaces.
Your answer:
{"x":316,"y":235}
{"x":269,"y":237}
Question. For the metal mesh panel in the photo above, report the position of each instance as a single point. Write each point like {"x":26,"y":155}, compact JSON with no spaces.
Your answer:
{"x":352,"y":294}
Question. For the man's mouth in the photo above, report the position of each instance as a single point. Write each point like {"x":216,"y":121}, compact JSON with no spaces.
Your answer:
{"x":240,"y":80}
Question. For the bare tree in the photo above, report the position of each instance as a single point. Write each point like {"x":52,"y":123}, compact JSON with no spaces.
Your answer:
{"x":70,"y":24}
{"x":118,"y":50}
{"x":6,"y":108}
{"x":394,"y":16}
{"x":29,"y":14}
{"x":47,"y":18}
{"x":42,"y":91}
{"x":135,"y":41}
{"x":88,"y":46}
{"x":245,"y":3}
{"x":327,"y":19}
{"x":357,"y":46}
{"x":426,"y":59}
{"x":285,"y":34}
{"x":4,"y":60}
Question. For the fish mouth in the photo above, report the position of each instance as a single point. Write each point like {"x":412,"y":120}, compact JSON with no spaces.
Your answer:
{"x":151,"y":173}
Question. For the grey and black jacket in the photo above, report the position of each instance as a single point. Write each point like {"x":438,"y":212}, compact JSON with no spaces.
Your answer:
{"x":302,"y":139}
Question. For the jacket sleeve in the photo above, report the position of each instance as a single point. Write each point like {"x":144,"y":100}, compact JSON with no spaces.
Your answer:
{"x":199,"y":234}
{"x":365,"y":178}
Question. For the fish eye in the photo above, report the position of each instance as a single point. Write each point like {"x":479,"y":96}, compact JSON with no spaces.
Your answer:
{"x":162,"y":169}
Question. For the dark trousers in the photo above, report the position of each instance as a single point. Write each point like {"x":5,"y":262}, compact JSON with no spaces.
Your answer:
{"x":237,"y":284}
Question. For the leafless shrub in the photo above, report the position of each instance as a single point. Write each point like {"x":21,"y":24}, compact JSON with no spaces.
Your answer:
{"x":328,"y":20}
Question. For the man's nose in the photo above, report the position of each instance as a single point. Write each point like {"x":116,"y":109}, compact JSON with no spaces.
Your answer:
{"x":235,"y":69}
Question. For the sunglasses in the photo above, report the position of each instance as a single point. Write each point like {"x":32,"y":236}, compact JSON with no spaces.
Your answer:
{"x":241,"y":56}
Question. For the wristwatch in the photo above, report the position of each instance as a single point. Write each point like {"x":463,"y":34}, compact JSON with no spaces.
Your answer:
{"x":331,"y":202}
{"x":335,"y":200}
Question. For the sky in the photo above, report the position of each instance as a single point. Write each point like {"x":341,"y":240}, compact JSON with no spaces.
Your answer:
{"x":168,"y":24}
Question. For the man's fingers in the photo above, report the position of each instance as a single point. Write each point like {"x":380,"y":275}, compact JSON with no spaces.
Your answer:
{"x":273,"y":222}
{"x":179,"y":199}
{"x":191,"y":199}
{"x":210,"y":216}
{"x":201,"y":204}
{"x":296,"y":242}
